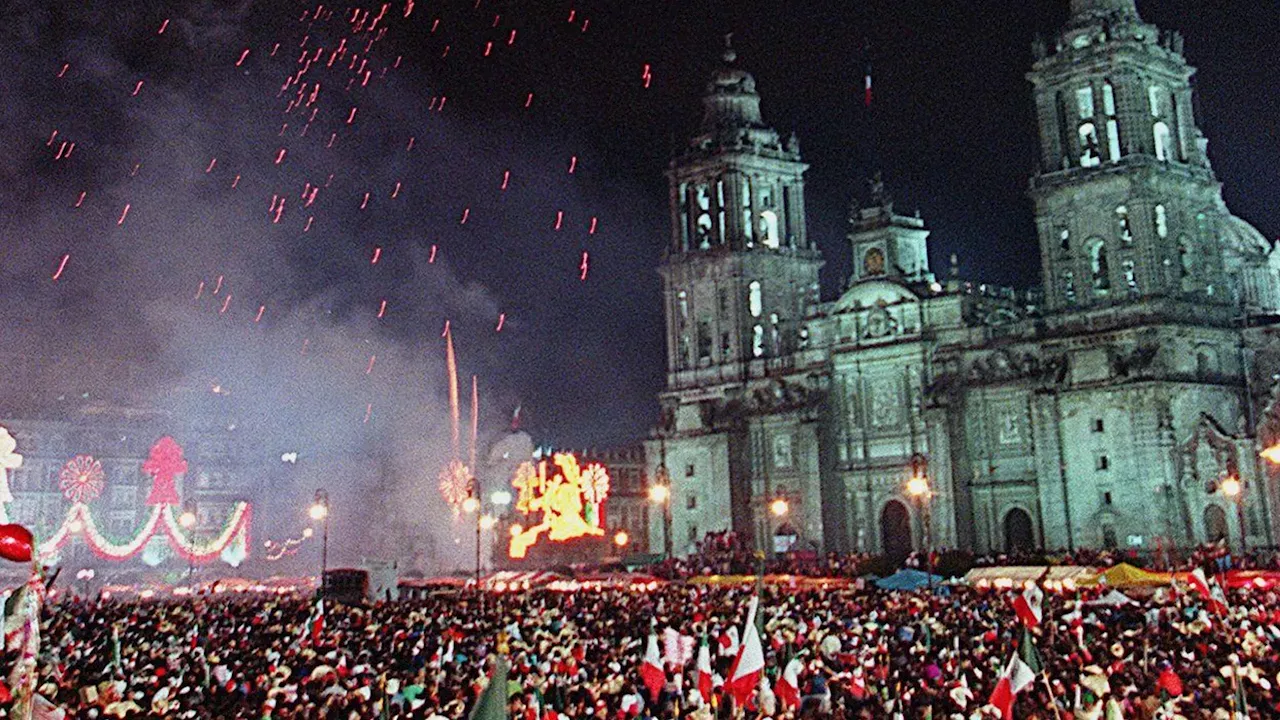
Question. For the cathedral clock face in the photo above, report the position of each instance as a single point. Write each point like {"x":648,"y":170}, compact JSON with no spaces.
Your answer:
{"x":873,"y":262}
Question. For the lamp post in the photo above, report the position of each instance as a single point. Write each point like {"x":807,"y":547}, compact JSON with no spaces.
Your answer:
{"x":660,"y":494}
{"x":778,"y":508}
{"x":320,"y":513}
{"x":1233,"y":489}
{"x":187,"y":520}
{"x":920,"y":491}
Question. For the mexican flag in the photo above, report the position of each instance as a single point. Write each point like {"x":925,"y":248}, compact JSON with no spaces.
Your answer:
{"x":1027,"y":605}
{"x":744,"y":676}
{"x":788,"y":687}
{"x":704,"y":671}
{"x":1016,"y":677}
{"x":651,"y":669}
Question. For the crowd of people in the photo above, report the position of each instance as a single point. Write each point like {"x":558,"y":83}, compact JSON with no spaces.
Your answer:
{"x":860,"y":653}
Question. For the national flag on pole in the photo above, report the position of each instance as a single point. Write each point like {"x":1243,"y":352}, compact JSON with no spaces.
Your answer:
{"x":1017,"y":676}
{"x":729,"y":642}
{"x":315,"y":624}
{"x":788,"y":687}
{"x":704,"y":671}
{"x":744,"y":676}
{"x":492,"y":703}
{"x":651,"y":669}
{"x":1209,"y":589}
{"x":1027,"y":605}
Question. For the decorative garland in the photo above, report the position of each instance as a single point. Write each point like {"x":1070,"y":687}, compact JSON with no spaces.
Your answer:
{"x":231,"y":544}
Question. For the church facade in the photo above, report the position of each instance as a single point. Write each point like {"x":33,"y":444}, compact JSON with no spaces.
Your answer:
{"x":1125,"y":404}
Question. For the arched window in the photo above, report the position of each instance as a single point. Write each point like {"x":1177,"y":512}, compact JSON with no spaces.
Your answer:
{"x":757,"y":341}
{"x":1122,"y":219}
{"x":755,"y":299}
{"x":1164,"y":147}
{"x":747,"y":226}
{"x":1154,"y":94}
{"x":1069,"y":287}
{"x":1184,"y":257}
{"x":1089,"y":156}
{"x":1113,"y":124}
{"x":1098,"y":270}
{"x":684,"y":307}
{"x":1064,"y":238}
{"x":1162,"y":221}
{"x":1109,"y":99}
{"x":1084,"y":103}
{"x":769,"y":228}
{"x":1215,"y":523}
{"x":1206,"y":362}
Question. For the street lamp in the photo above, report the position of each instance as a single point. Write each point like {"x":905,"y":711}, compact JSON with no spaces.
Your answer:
{"x":780,"y":507}
{"x":660,"y":494}
{"x":920,"y":491}
{"x":1233,"y":490}
{"x":320,"y":513}
{"x":621,"y":539}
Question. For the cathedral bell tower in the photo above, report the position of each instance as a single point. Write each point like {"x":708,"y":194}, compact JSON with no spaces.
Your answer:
{"x":740,"y":270}
{"x":1127,"y":205}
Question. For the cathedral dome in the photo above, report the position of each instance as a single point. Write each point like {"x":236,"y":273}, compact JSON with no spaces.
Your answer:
{"x":731,"y":100}
{"x":1238,"y":235}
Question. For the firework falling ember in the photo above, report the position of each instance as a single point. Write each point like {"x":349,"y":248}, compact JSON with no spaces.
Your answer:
{"x":451,"y":366}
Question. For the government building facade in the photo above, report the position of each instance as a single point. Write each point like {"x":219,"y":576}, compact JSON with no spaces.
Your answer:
{"x":1124,"y":404}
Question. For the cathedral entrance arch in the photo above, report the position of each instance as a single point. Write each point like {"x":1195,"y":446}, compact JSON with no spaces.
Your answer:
{"x":895,"y":531}
{"x":1215,"y":523}
{"x":1018,"y":534}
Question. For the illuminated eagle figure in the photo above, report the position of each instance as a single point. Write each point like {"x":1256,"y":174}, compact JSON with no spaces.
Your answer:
{"x":569,"y":501}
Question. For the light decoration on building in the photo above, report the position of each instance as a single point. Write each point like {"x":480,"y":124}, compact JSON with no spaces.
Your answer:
{"x":9,"y":460}
{"x":568,"y":497}
{"x":82,"y":479}
{"x":164,"y":463}
{"x":455,"y":485}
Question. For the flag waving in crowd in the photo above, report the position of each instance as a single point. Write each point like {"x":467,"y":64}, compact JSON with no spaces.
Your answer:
{"x":1018,"y":675}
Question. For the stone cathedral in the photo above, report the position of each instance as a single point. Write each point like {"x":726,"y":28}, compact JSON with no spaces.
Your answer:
{"x":1105,"y":409}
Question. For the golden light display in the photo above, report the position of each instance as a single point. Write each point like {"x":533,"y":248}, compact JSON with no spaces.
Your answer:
{"x":569,"y":500}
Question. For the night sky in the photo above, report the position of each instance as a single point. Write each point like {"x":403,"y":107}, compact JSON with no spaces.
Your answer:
{"x":952,"y":132}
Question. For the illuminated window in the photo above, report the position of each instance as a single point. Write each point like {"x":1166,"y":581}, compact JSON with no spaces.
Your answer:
{"x":1089,"y":156}
{"x":1122,"y":220}
{"x":1162,"y":221}
{"x":757,"y":341}
{"x":769,"y":228}
{"x":1184,"y":257}
{"x":1113,"y":140}
{"x":1153,"y":99}
{"x":746,"y":209}
{"x":1109,"y":100}
{"x":1064,"y":239}
{"x":755,"y":299}
{"x":1084,"y":103}
{"x":1164,"y":147}
{"x":1098,"y":269}
{"x":683,"y":298}
{"x":1130,"y":276}
{"x":1069,"y":287}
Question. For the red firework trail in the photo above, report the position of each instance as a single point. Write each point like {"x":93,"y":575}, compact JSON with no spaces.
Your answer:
{"x":583,"y":266}
{"x":261,"y":309}
{"x":502,"y":320}
{"x":61,"y":266}
{"x":377,"y":253}
{"x":211,"y":164}
{"x":432,"y":258}
{"x":199,"y":291}
{"x":506,"y":178}
{"x":137,"y":88}
{"x":466,"y":213}
{"x":163,"y":25}
{"x":80,"y":200}
{"x":573,"y":164}
{"x":382,"y":310}
{"x":124,"y":214}
{"x":217,"y":287}
{"x":559,"y":219}
{"x":225,"y":303}
{"x":594,"y":221}
{"x":243,"y":55}
{"x":368,"y":411}
{"x":372,"y":360}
